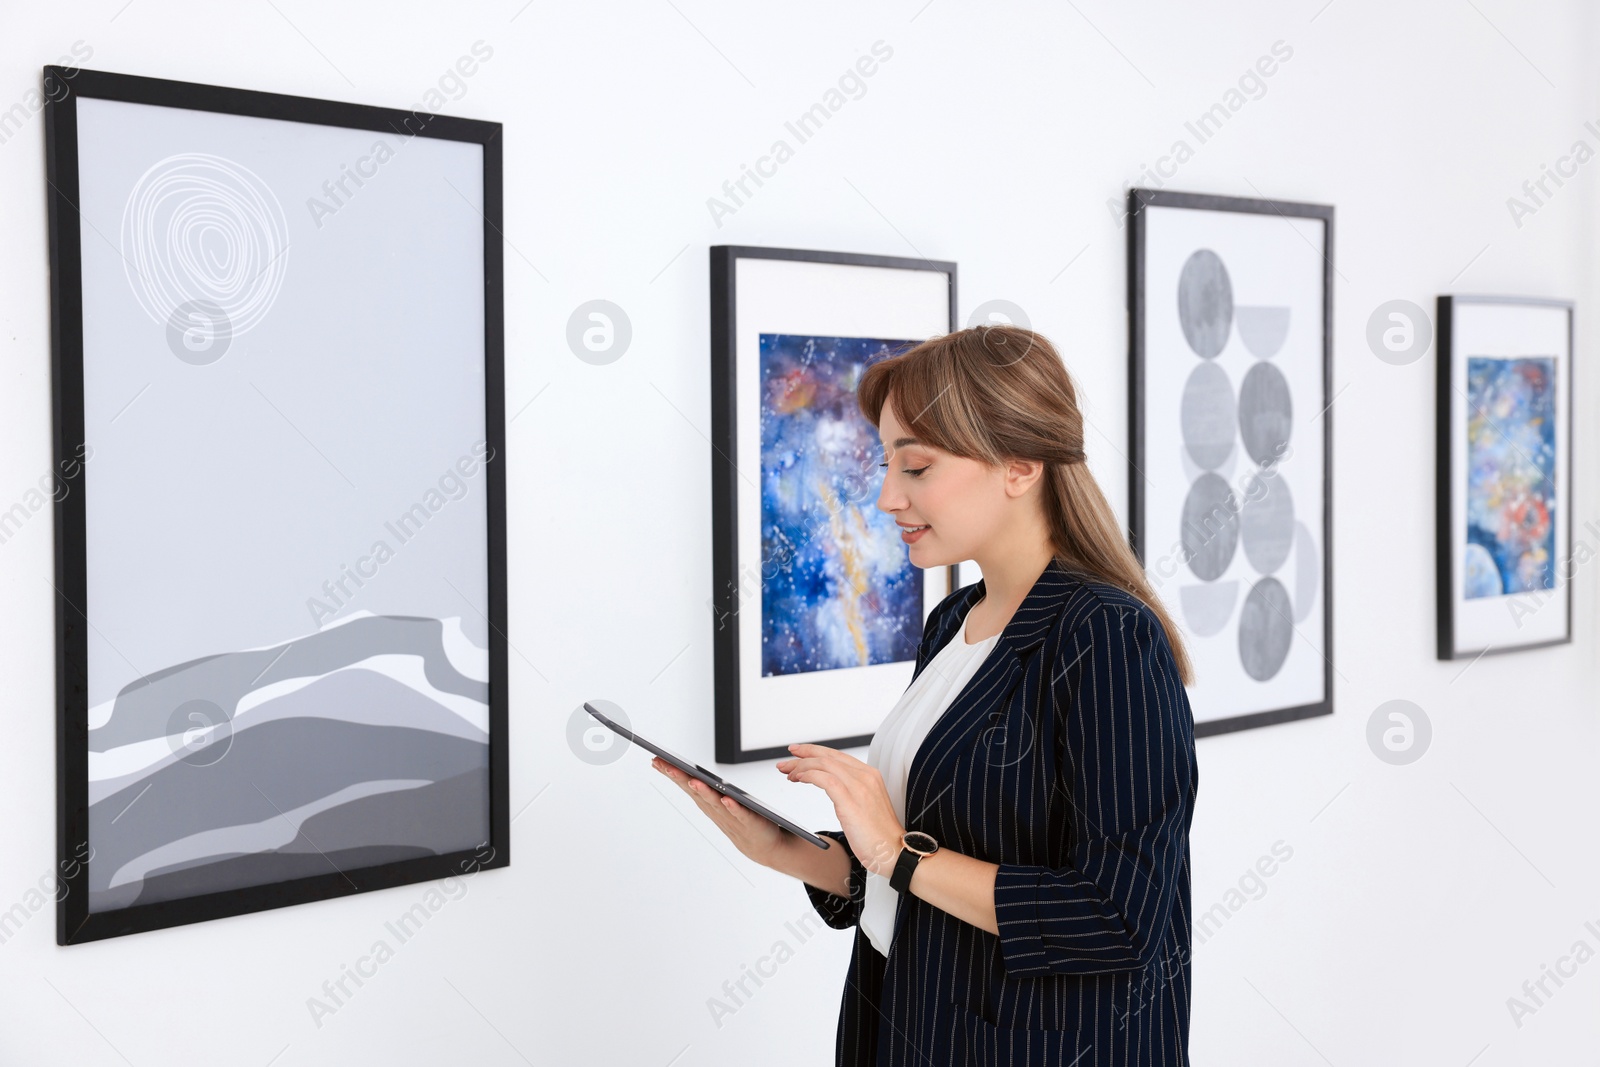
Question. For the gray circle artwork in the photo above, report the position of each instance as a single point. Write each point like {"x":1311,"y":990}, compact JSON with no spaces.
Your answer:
{"x":199,"y":332}
{"x":1399,"y":732}
{"x":1205,"y":303}
{"x":1399,"y":332}
{"x":1265,"y":629}
{"x":1307,"y":572}
{"x":1266,"y":413}
{"x":593,"y":741}
{"x":1262,"y":329}
{"x":201,"y":731}
{"x":598,"y":332}
{"x":1207,"y":415}
{"x":1266,"y":523}
{"x":1210,"y":526}
{"x":996,"y":313}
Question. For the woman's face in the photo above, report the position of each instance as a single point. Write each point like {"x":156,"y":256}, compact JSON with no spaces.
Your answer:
{"x":961,"y":501}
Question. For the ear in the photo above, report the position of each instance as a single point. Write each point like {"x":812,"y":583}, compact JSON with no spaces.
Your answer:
{"x":1022,"y":474}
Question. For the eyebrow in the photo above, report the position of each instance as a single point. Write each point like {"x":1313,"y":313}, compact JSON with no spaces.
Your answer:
{"x":904,"y":441}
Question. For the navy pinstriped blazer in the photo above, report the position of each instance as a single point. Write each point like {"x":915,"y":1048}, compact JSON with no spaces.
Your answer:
{"x":1068,"y":759}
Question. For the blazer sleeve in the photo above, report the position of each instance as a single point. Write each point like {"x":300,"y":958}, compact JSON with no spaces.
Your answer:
{"x":841,"y":913}
{"x":1126,"y":735}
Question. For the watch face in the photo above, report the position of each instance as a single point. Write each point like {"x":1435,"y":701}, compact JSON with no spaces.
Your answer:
{"x":917,"y":841}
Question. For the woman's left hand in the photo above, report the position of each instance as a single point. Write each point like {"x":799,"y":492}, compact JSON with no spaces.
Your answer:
{"x":860,"y":799}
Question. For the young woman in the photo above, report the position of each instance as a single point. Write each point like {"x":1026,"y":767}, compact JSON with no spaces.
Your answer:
{"x":1016,"y":859}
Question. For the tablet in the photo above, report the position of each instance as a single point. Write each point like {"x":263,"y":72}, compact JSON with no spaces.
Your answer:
{"x":724,"y":787}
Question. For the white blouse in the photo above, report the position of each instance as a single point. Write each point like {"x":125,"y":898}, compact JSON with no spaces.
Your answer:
{"x":895,"y":745}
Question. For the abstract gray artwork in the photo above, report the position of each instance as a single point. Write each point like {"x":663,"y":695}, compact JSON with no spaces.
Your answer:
{"x":1229,"y":484}
{"x":285,"y":532}
{"x":1214,"y":518}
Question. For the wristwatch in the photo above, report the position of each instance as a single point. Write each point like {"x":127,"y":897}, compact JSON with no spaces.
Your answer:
{"x":915,"y":845}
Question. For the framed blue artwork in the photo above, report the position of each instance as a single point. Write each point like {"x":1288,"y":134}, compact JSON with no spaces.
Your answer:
{"x":1504,"y":524}
{"x":817,"y":610}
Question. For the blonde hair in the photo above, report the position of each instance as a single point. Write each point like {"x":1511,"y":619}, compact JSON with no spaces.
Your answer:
{"x":1000,"y":392}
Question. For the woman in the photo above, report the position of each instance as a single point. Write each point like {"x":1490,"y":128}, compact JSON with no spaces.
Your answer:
{"x":1045,"y":745}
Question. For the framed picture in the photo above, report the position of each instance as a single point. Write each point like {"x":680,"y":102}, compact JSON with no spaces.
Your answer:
{"x":280,"y":576}
{"x":817,"y":611}
{"x":1230,"y":435}
{"x":1504,"y":523}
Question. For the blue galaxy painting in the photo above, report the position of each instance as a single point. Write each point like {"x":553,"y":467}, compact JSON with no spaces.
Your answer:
{"x":837,"y":588}
{"x":1511,"y":490}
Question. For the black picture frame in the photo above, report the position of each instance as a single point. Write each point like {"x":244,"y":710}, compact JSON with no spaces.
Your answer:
{"x":725,"y":563}
{"x":1449,"y":645}
{"x":75,"y":923}
{"x":1138,"y":200}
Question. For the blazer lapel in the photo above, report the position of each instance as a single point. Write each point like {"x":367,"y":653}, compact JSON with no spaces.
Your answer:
{"x":984,"y":696}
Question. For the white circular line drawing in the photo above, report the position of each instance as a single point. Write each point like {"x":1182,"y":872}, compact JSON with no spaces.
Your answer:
{"x":200,"y":228}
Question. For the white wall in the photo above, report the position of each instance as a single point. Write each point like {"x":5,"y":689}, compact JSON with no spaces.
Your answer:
{"x":1418,"y":898}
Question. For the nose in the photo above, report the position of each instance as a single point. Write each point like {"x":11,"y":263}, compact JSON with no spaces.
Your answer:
{"x":889,"y":498}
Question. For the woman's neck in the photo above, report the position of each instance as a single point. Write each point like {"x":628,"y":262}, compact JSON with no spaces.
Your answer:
{"x":1008,"y":577}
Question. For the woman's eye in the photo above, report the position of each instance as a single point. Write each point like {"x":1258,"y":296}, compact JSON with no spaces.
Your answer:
{"x":916,"y":473}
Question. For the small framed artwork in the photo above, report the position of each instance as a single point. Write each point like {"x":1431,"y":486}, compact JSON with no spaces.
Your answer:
{"x":281,"y":602}
{"x":1230,"y":511}
{"x":1504,"y":521}
{"x":817,"y":610}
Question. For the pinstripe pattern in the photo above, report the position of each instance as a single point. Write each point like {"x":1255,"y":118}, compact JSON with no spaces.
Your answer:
{"x":1068,"y":759}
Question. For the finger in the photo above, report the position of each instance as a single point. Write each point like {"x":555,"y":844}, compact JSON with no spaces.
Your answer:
{"x":693,"y":786}
{"x":705,"y":796}
{"x":715,"y":805}
{"x":838,"y":768}
{"x":677,"y":776}
{"x":812,"y":750}
{"x":823,"y":779}
{"x":822,"y":755}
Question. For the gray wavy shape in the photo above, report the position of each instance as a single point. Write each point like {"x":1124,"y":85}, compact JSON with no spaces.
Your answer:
{"x":143,"y":707}
{"x":356,"y":695}
{"x":447,"y":816}
{"x":268,"y":835}
{"x":238,"y":872}
{"x":269,"y":770}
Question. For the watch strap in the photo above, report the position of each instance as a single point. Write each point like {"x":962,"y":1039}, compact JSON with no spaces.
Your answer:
{"x":900,"y":877}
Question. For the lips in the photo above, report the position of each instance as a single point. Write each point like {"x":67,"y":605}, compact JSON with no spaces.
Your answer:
{"x":912,"y":534}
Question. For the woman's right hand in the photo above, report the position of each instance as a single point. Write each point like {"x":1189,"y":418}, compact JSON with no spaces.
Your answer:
{"x":755,"y":836}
